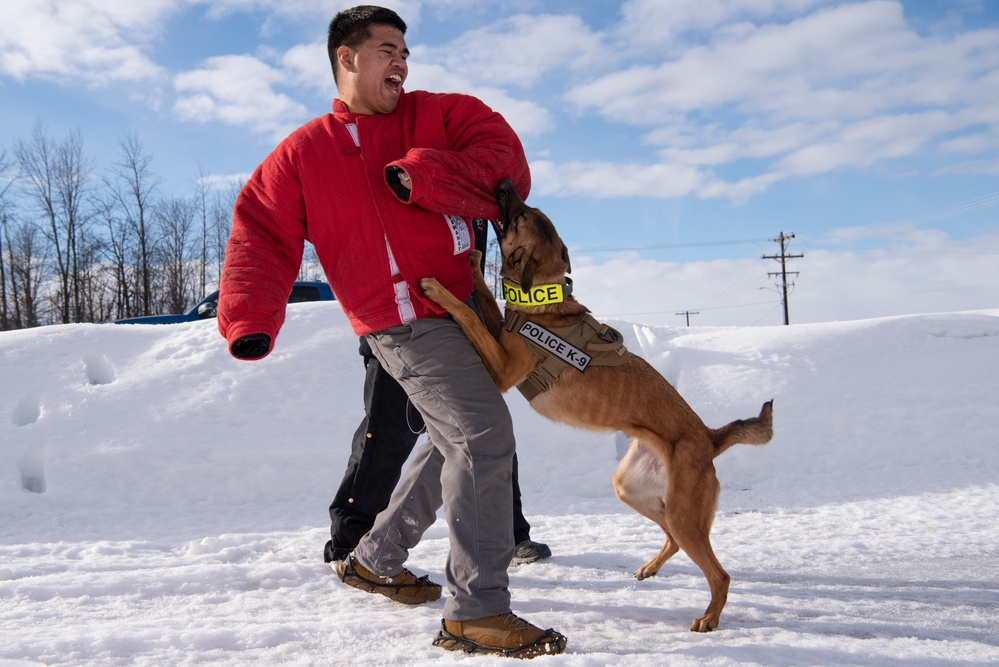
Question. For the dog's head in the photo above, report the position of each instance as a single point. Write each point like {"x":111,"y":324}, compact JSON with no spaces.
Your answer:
{"x":532,"y":251}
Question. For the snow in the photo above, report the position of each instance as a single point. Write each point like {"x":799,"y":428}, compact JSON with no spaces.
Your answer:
{"x":164,"y":504}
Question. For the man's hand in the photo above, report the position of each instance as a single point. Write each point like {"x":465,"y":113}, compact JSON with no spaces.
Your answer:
{"x":399,"y":181}
{"x":253,"y":346}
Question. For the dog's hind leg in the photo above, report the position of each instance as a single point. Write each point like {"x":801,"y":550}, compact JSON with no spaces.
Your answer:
{"x":652,"y":568}
{"x":640,"y":483}
{"x":690,"y":507}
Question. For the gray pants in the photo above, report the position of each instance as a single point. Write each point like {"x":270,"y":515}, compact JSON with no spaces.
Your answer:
{"x":465,"y":464}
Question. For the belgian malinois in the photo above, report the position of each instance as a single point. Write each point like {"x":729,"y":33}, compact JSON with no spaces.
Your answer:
{"x":668,"y":474}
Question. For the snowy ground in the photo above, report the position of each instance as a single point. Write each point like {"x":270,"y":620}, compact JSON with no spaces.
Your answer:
{"x":163,"y":504}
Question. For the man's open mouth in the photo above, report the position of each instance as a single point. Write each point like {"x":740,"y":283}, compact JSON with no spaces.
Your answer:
{"x":394,"y":81}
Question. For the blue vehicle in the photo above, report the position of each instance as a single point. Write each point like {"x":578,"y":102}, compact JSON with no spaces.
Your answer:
{"x":207,"y":308}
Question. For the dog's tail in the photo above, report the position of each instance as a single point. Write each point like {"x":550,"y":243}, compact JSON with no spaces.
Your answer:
{"x":754,"y":431}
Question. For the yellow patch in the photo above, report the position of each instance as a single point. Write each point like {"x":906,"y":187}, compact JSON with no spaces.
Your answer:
{"x":538,"y":295}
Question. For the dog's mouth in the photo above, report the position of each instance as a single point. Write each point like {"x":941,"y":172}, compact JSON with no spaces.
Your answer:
{"x":505,"y":192}
{"x":499,"y":228}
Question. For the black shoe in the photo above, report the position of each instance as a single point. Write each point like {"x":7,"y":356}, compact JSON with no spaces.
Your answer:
{"x":332,"y":554}
{"x":530,"y":551}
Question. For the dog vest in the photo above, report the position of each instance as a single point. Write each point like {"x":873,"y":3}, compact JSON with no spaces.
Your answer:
{"x":579,"y":345}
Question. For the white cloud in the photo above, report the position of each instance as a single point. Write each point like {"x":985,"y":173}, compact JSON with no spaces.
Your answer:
{"x":318,"y":13}
{"x":527,"y":118}
{"x":308,"y":65}
{"x":300,"y":9}
{"x":865,"y":143}
{"x":610,"y":179}
{"x":920,"y":271}
{"x":662,"y":180}
{"x":711,"y":98}
{"x":840,"y":88}
{"x":225,"y":182}
{"x":518,"y":51}
{"x":654,"y":23}
{"x":96,"y":41}
{"x":239,"y":91}
{"x":934,"y":275}
{"x":715,"y":145}
{"x":763,"y":68}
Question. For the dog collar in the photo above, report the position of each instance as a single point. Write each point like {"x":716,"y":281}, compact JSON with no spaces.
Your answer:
{"x":539,"y":295}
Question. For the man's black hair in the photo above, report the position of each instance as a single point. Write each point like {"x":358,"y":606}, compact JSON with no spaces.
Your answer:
{"x":352,"y":26}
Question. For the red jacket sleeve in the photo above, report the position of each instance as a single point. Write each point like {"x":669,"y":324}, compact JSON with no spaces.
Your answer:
{"x":264,"y":251}
{"x":484,"y":150}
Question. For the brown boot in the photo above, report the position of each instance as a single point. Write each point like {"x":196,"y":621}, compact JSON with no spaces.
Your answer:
{"x":404,"y":587}
{"x":505,"y":634}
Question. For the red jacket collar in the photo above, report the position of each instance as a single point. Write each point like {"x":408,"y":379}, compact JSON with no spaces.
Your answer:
{"x":345,"y":115}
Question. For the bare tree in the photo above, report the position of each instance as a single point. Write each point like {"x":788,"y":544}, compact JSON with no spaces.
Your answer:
{"x":202,"y":190}
{"x":75,"y":170}
{"x":118,"y":253}
{"x":310,"y":268}
{"x":72,"y":252}
{"x":222,"y":207}
{"x":132,"y":185}
{"x":6,"y":183}
{"x":37,"y":164}
{"x":56,"y":176}
{"x":176,"y":217}
{"x":24,"y":267}
{"x":97,"y":279}
{"x":494,"y":263}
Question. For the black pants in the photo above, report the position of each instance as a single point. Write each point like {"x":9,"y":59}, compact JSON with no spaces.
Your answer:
{"x":382,"y":443}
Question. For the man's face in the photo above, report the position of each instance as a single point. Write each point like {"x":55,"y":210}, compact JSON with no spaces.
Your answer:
{"x":377,"y":69}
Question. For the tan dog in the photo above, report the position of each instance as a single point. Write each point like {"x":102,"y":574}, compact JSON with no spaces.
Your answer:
{"x":668,"y":474}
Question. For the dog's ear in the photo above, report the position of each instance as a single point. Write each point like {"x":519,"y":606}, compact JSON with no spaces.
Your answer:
{"x":515,"y":256}
{"x":527,"y":275}
{"x":526,"y":265}
{"x":565,"y":258}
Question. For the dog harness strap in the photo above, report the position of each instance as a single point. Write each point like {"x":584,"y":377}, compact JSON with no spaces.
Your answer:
{"x":603,"y":343}
{"x":606,"y":344}
{"x":541,"y":378}
{"x":512,"y":320}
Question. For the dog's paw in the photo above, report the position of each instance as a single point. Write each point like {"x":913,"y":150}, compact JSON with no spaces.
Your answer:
{"x":433,"y":290}
{"x":703,"y":624}
{"x":475,"y":258}
{"x":645,"y":572}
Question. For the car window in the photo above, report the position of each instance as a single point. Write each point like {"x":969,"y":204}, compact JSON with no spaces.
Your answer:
{"x":300,"y":293}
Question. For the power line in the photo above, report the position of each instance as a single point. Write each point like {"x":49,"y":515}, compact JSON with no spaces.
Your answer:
{"x":667,"y":246}
{"x":663,"y":312}
{"x":783,"y":257}
{"x":957,"y":209}
{"x":739,"y":286}
{"x":688,"y":313}
{"x":823,"y":246}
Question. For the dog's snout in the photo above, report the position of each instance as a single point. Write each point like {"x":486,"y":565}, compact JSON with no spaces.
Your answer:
{"x":505,"y":193}
{"x":504,"y":188}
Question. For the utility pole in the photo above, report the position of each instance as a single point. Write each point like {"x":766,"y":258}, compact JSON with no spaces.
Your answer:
{"x":783,"y":257}
{"x":688,"y":314}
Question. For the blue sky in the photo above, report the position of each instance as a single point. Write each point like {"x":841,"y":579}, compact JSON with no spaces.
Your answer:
{"x":669,"y":139}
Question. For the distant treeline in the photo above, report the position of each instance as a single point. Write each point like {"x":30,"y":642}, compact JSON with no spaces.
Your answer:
{"x":82,"y":244}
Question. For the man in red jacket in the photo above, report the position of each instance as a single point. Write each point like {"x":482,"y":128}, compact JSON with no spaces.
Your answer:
{"x":382,"y":443}
{"x":384,"y":188}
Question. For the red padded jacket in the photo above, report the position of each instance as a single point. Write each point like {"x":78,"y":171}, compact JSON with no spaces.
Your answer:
{"x":319,"y":186}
